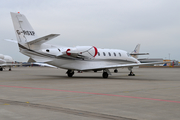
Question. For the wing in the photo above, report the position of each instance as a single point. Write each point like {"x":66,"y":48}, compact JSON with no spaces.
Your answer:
{"x":45,"y":65}
{"x":124,"y":65}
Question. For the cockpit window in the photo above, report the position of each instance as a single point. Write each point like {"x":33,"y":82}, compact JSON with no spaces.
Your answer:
{"x":119,"y":54}
{"x":128,"y":54}
{"x":98,"y":54}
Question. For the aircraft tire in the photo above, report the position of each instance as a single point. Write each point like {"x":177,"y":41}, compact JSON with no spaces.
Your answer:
{"x":105,"y":75}
{"x":115,"y":71}
{"x":131,"y":74}
{"x":70,"y":74}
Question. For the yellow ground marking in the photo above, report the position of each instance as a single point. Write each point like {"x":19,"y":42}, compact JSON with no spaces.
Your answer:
{"x":6,"y":104}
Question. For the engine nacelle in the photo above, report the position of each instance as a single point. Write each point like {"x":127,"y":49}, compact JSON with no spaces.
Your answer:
{"x":84,"y":52}
{"x":1,"y":56}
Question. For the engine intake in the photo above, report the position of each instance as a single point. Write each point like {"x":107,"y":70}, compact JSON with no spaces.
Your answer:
{"x":88,"y":52}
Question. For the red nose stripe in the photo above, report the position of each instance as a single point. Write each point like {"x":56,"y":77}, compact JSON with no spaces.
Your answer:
{"x":96,"y":51}
{"x":67,"y":52}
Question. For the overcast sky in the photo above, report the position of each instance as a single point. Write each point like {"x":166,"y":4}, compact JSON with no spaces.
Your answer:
{"x":119,"y":24}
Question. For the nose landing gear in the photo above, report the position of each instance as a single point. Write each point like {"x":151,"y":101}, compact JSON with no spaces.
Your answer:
{"x":131,"y":74}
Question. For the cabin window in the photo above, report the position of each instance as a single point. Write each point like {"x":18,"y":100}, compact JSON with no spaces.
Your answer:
{"x":119,"y":54}
{"x":109,"y":53}
{"x":114,"y":54}
{"x":47,"y":50}
{"x":104,"y":53}
{"x":98,"y":54}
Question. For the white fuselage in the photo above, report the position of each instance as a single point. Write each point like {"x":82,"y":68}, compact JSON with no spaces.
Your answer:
{"x":5,"y":59}
{"x":2,"y":61}
{"x":58,"y":56}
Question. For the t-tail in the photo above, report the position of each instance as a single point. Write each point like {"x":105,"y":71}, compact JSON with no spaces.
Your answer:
{"x":23,"y":30}
{"x":28,"y":42}
{"x":26,"y":36}
{"x":135,"y":53}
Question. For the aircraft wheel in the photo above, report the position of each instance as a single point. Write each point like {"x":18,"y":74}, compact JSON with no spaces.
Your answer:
{"x":1,"y":69}
{"x":69,"y":73}
{"x":10,"y":69}
{"x":131,"y":74}
{"x":105,"y":75}
{"x":115,"y":71}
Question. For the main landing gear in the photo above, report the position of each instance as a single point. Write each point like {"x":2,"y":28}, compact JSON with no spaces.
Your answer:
{"x":105,"y":75}
{"x":1,"y":69}
{"x":131,"y":74}
{"x":70,"y":73}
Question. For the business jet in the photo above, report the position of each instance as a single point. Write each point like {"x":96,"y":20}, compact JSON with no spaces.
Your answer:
{"x":6,"y":61}
{"x":79,"y":58}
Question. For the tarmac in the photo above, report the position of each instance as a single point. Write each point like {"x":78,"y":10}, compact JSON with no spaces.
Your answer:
{"x":36,"y":93}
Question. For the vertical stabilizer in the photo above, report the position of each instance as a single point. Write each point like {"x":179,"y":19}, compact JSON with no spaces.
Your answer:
{"x":136,"y":51}
{"x":23,"y":30}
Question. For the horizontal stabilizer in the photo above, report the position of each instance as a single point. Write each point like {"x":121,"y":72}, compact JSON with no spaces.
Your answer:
{"x":11,"y":40}
{"x":139,"y":54}
{"x":44,"y":39}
